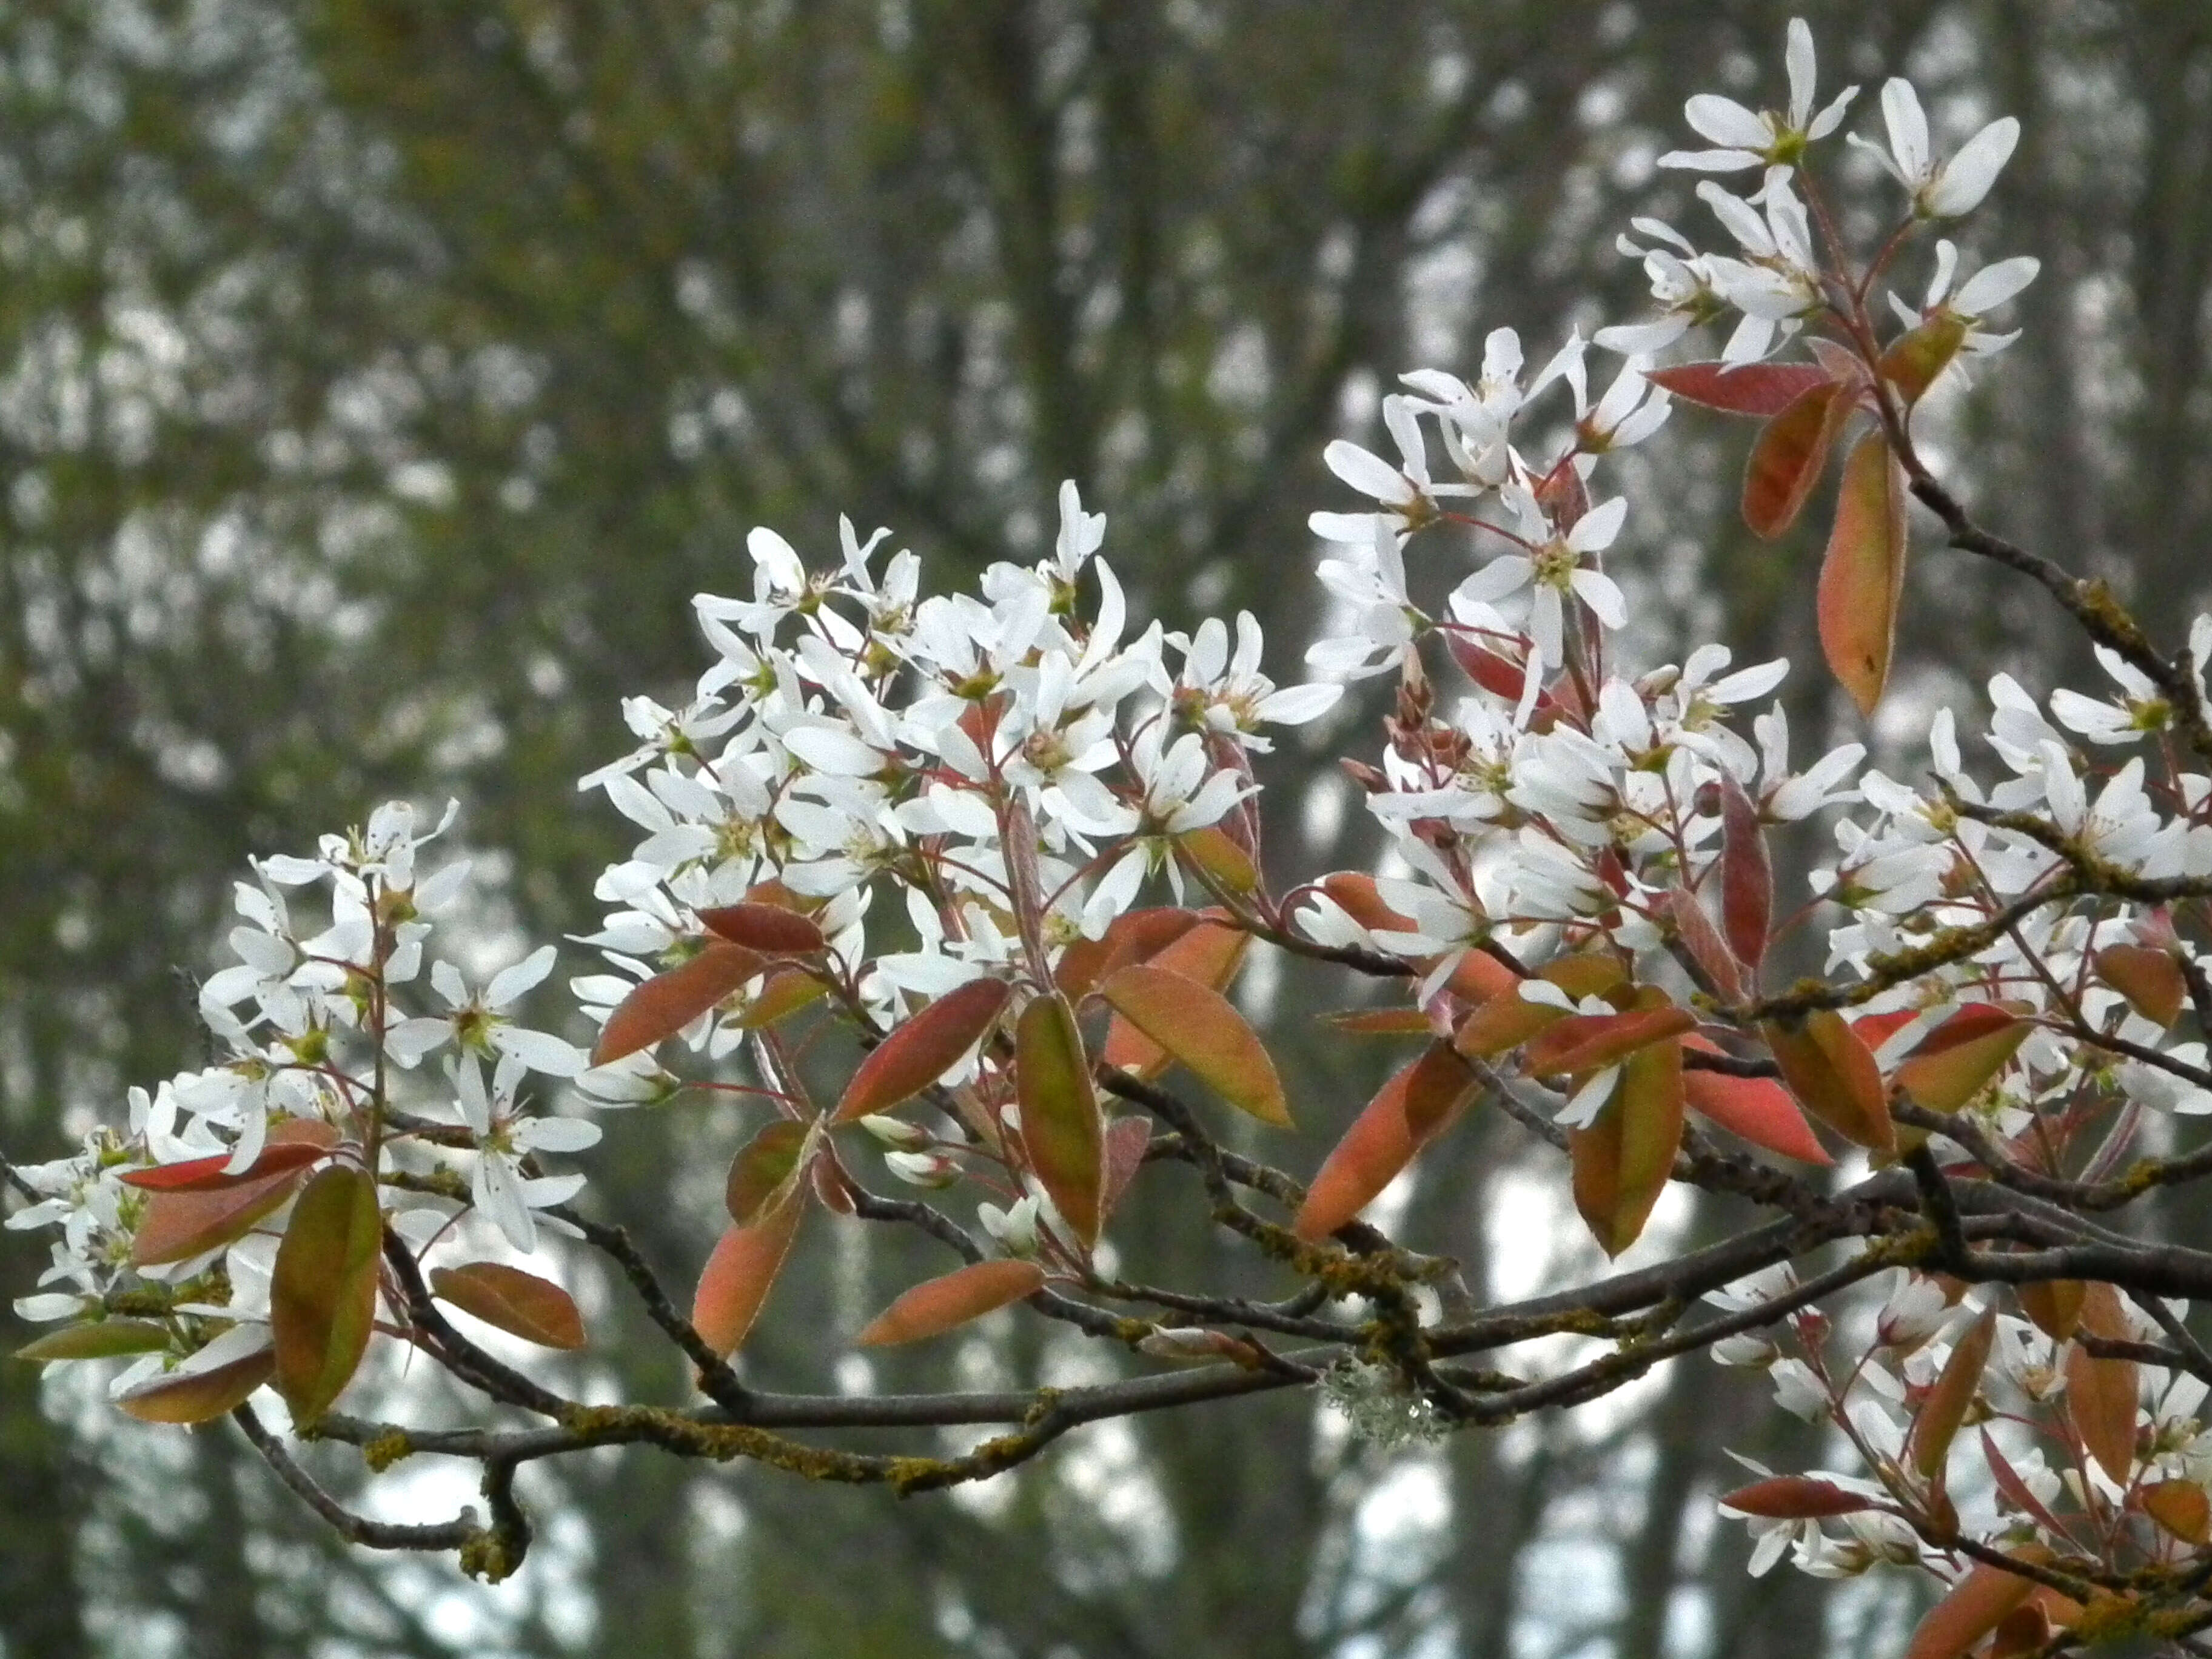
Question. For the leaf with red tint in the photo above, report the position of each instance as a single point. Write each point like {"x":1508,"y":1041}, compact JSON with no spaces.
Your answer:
{"x":1788,"y":456}
{"x":2149,"y":979}
{"x":1380,"y":1022}
{"x":1209,"y":953}
{"x":2181,"y":1507}
{"x":739,"y":1276}
{"x":2017,"y":1490}
{"x":1794,"y":1498}
{"x":1917,"y":357}
{"x":1760,"y":389}
{"x":767,"y":1170}
{"x":1746,"y":877}
{"x":205,"y":1174}
{"x":1862,"y":575}
{"x":770,"y":929}
{"x":1062,"y":1125}
{"x":1623,"y":1161}
{"x":2054,"y":1305}
{"x":1702,"y":941}
{"x":781,"y":994}
{"x":1974,"y":1607}
{"x":1495,"y":673}
{"x":508,"y":1299}
{"x":322,"y":1294}
{"x":668,"y":1002}
{"x":1126,"y":1139}
{"x":942,"y":1305}
{"x":923,"y":1049}
{"x":1832,"y":1072}
{"x":179,"y":1226}
{"x":1218,"y":859}
{"x":1944,"y":1409}
{"x":1132,"y":936}
{"x":1589,"y":1042}
{"x":1202,"y":1030}
{"x":1960,"y":1056}
{"x":1757,"y":1108}
{"x":199,"y":1396}
{"x":107,"y":1338}
{"x":2101,"y":1394}
{"x":1418,"y":1103}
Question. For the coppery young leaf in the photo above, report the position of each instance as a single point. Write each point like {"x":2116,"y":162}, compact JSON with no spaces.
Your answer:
{"x":191,"y":1397}
{"x":1915,"y":358}
{"x":179,"y":1226}
{"x":773,"y":930}
{"x":1132,"y":936}
{"x":923,"y":1049}
{"x":739,"y":1275}
{"x":1589,"y":1042}
{"x":2181,"y":1507}
{"x":1062,"y":1125}
{"x":1420,"y":1101}
{"x":668,"y":1002}
{"x":521,"y":1303}
{"x":1757,"y":1108}
{"x":322,"y":1296}
{"x":1746,"y":878}
{"x":1208,"y":953}
{"x":1969,"y":1611}
{"x":1200,"y":1028}
{"x":1623,"y":1161}
{"x":2150,"y":980}
{"x":941,"y":1304}
{"x":1960,"y":1056}
{"x":2101,"y":1394}
{"x":205,"y":1174}
{"x":767,"y":1169}
{"x":1127,"y":1140}
{"x":1794,"y":1498}
{"x":1757,"y":389}
{"x":1944,"y":1410}
{"x":106,"y":1339}
{"x":1832,"y":1072}
{"x":1862,"y":575}
{"x":1788,"y":454}
{"x":1711,"y":954}
{"x":2054,"y":1305}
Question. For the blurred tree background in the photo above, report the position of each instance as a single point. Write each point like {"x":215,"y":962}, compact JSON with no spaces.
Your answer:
{"x":379,"y":379}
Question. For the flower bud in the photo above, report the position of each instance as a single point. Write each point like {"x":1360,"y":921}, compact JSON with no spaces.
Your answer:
{"x":1015,"y":1229}
{"x":897,"y":1133}
{"x":922,"y":1169}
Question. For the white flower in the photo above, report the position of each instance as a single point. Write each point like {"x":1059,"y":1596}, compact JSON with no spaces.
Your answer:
{"x":1749,"y":140}
{"x":498,"y":1186}
{"x":1940,"y":189}
{"x":478,"y":1020}
{"x":1553,"y":568}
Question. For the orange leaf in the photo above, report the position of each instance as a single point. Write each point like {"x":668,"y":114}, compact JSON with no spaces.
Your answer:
{"x":1418,"y":1103}
{"x":1132,"y":936}
{"x":1945,"y":1408}
{"x":1703,"y":942}
{"x":1972,"y":1608}
{"x":1746,"y":877}
{"x":668,"y":1002}
{"x":770,"y":929}
{"x":1761,"y":389}
{"x":941,"y":1304}
{"x":1380,"y":1022}
{"x":1127,"y":1138}
{"x":179,"y":1226}
{"x":739,"y":1276}
{"x":1623,"y":1161}
{"x":1916,"y":357}
{"x":1862,"y":577}
{"x":767,"y":1170}
{"x":2101,"y":1394}
{"x":781,"y":994}
{"x":1832,"y":1072}
{"x":1787,"y":455}
{"x":1209,"y":953}
{"x":1589,"y":1042}
{"x":924,"y":1049}
{"x":2150,"y":980}
{"x":322,"y":1295}
{"x":1959,"y":1056}
{"x":205,"y":1174}
{"x":521,"y":1304}
{"x":1794,"y":1498}
{"x":2054,"y":1305}
{"x":2181,"y":1507}
{"x":1757,"y":1108}
{"x":1202,"y":1028}
{"x":1214,"y":854}
{"x":197,"y":1396}
{"x":1062,"y":1125}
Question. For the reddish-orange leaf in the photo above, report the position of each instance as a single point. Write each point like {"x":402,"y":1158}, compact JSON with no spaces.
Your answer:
{"x":107,"y":1338}
{"x":941,"y":1304}
{"x":1746,"y":877}
{"x":739,"y":1275}
{"x":1062,"y":1125}
{"x":1589,"y":1042}
{"x":205,"y":1174}
{"x":2101,"y":1394}
{"x":1832,"y":1072}
{"x":199,"y":1396}
{"x":1209,"y":953}
{"x":1702,"y":941}
{"x":1786,"y":457}
{"x":1127,"y":1138}
{"x":2055,"y":1305}
{"x":770,"y":929}
{"x":781,"y":994}
{"x":1961,"y":1055}
{"x":322,"y":1295}
{"x":1794,"y":1498}
{"x":179,"y":1226}
{"x":1623,"y":1161}
{"x":1132,"y":936}
{"x":668,"y":1002}
{"x":1380,"y":1022}
{"x":1202,"y":1028}
{"x":1423,"y":1099}
{"x":767,"y":1169}
{"x":1945,"y":1408}
{"x":924,"y":1049}
{"x":521,"y":1304}
{"x":1757,"y":1108}
{"x":2181,"y":1508}
{"x":1916,"y":357}
{"x":1761,"y":389}
{"x":1862,"y":577}
{"x":1971,"y":1610}
{"x":2150,"y":980}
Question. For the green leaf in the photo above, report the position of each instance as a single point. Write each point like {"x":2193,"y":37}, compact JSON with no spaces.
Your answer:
{"x":768,"y":1170}
{"x":1202,"y":1028}
{"x":923,"y":1049}
{"x":106,"y":1339}
{"x":941,"y":1304}
{"x":668,"y":1002}
{"x":322,"y":1296}
{"x":1863,"y":576}
{"x":1916,"y":357}
{"x":521,"y":1304}
{"x":1062,"y":1125}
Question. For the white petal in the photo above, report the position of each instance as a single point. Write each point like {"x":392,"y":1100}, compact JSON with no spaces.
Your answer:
{"x":1908,"y":127}
{"x":510,"y":983}
{"x":1726,"y":122}
{"x":1992,"y":286}
{"x":1967,"y":176}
